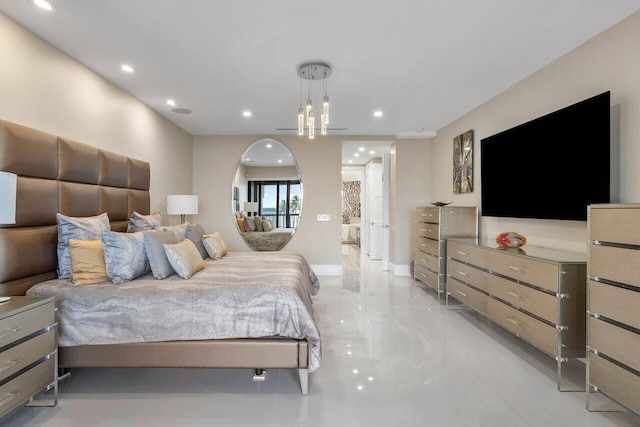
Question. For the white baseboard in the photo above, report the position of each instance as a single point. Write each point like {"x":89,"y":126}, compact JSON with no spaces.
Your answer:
{"x":401,"y":270}
{"x":327,"y":270}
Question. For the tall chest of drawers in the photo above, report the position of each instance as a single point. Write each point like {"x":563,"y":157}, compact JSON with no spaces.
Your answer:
{"x":613,"y":304}
{"x":28,"y":352}
{"x":538,"y":294}
{"x":433,"y":226}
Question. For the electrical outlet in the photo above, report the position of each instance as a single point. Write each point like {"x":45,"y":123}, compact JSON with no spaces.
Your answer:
{"x":324,"y":217}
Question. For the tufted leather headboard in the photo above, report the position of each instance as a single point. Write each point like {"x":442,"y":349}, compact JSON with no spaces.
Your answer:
{"x":56,"y":174}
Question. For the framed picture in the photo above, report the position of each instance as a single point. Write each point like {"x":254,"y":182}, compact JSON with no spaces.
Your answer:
{"x":463,"y":163}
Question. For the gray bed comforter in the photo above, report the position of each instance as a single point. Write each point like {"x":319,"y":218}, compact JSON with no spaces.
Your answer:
{"x":242,"y":295}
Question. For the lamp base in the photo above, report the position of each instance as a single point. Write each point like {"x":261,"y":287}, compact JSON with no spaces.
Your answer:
{"x":182,"y":218}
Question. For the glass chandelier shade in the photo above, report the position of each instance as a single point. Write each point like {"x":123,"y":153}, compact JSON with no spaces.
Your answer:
{"x":312,"y":71}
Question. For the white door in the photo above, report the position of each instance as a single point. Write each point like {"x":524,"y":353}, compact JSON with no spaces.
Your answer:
{"x":375,"y":212}
{"x":386,"y":201}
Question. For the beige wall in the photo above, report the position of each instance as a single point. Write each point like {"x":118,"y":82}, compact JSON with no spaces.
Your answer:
{"x":609,"y":61}
{"x":273,"y":172}
{"x":43,"y":88}
{"x":409,"y":188}
{"x":215,"y":159}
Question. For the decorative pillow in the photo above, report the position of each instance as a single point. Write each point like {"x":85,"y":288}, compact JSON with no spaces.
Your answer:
{"x":87,"y":262}
{"x":258,"y":222}
{"x":179,"y":230}
{"x":124,"y":256}
{"x":215,"y":245}
{"x":195,"y":233}
{"x":139,"y":222}
{"x":153,"y":249}
{"x":240,"y":222}
{"x":79,"y":228}
{"x":184,"y":258}
{"x":267,"y":225}
{"x":249,"y":223}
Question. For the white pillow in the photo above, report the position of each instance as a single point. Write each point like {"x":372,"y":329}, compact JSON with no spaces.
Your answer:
{"x":215,"y":245}
{"x":184,"y":258}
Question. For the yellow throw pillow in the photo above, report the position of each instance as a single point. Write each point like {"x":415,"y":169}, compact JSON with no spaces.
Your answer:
{"x":87,"y":262}
{"x":240,"y":222}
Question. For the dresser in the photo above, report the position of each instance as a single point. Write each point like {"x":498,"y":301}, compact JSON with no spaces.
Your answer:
{"x":613,"y":304}
{"x":433,"y":226}
{"x":28,"y":352}
{"x":538,"y":294}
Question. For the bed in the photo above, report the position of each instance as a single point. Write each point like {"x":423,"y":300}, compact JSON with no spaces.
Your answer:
{"x":58,"y":175}
{"x":273,"y":240}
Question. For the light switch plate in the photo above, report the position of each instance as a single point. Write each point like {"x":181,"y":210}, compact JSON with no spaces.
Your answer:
{"x":324,"y":217}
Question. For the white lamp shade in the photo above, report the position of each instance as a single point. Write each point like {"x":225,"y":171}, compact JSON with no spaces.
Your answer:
{"x":182,"y":205}
{"x":250,"y":206}
{"x":8,"y":187}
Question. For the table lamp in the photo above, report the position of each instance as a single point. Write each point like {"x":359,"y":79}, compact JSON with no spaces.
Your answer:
{"x":182,"y":204}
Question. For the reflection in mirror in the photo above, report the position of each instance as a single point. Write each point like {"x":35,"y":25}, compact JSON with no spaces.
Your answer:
{"x":267,"y":195}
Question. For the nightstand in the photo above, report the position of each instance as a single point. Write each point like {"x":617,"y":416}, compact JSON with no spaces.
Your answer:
{"x":28,"y":352}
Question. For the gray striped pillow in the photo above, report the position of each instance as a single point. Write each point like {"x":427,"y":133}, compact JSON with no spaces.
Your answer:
{"x":184,"y":258}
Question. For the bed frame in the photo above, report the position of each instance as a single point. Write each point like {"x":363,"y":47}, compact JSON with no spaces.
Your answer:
{"x":56,"y":174}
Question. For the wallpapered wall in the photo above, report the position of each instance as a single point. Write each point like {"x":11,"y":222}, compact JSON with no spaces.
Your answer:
{"x":350,"y":200}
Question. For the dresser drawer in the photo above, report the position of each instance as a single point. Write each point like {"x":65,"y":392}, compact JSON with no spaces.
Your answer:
{"x":21,"y":356}
{"x":616,"y":264}
{"x":428,"y":277}
{"x":475,"y":255}
{"x":25,"y":323}
{"x":467,"y":295}
{"x":427,"y":214}
{"x":427,"y":230}
{"x":534,"y":331}
{"x":17,"y":391}
{"x":622,"y":385}
{"x":615,"y":225}
{"x":466,"y":273}
{"x":429,"y":261}
{"x":429,"y":246}
{"x":536,"y":302}
{"x":615,"y":342}
{"x":538,"y":273}
{"x":615,"y":303}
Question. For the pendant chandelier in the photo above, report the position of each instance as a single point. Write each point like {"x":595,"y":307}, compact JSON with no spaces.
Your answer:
{"x":313,"y":71}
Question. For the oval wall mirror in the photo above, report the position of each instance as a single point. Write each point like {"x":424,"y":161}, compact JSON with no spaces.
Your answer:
{"x":267,"y":195}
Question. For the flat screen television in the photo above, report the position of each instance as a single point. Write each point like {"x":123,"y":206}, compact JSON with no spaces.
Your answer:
{"x":551,"y":167}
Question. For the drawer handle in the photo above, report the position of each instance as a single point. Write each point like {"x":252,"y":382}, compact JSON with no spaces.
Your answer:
{"x":423,"y":275}
{"x":516,"y":268}
{"x":514,"y":321}
{"x":462,"y":273}
{"x":513,"y":294}
{"x":11,"y":332}
{"x":424,"y":215}
{"x":424,"y":229}
{"x":462,"y":253}
{"x":461,"y":293}
{"x":10,"y":364}
{"x":9,"y":398}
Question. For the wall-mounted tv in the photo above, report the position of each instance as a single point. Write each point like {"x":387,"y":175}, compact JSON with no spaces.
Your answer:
{"x":551,"y":167}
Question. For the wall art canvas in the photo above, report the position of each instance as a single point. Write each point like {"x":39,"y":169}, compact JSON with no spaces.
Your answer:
{"x":463,"y":163}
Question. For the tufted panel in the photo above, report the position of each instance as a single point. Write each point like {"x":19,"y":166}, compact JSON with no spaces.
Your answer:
{"x":139,"y":174}
{"x":28,"y":152}
{"x":36,"y":202}
{"x":139,"y":201}
{"x":114,"y":169}
{"x":115,"y":202}
{"x":79,"y":199}
{"x":27,"y":251}
{"x":78,"y":162}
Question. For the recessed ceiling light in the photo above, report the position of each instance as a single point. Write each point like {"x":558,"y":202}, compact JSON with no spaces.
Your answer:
{"x":372,"y":152}
{"x":279,"y":161}
{"x":171,"y":102}
{"x":127,"y":68}
{"x":356,"y":155}
{"x":361,"y":149}
{"x":43,"y":4}
{"x":377,"y":113}
{"x":181,"y":110}
{"x":269,"y":145}
{"x":350,"y":161}
{"x":246,"y":113}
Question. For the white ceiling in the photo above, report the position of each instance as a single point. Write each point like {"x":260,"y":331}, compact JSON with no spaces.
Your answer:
{"x":424,"y":63}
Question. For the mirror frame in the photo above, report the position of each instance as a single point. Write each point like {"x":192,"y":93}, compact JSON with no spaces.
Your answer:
{"x":278,"y":243}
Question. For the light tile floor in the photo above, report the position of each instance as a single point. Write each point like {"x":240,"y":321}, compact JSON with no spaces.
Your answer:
{"x":392,"y":356}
